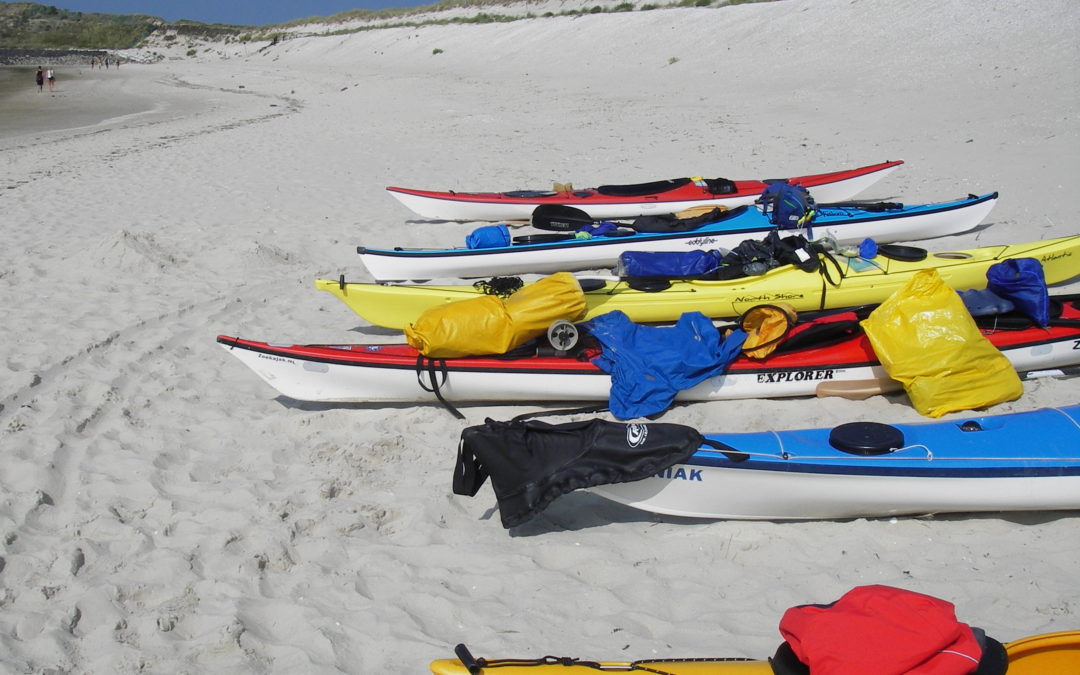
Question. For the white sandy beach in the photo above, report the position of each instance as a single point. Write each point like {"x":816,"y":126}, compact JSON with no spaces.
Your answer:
{"x":162,"y":510}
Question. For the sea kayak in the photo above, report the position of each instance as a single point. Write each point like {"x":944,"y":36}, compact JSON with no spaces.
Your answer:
{"x":847,"y":224}
{"x":1034,"y":655}
{"x":1047,"y":653}
{"x":822,"y":367}
{"x":627,"y":201}
{"x":1027,"y":461}
{"x":856,"y":282}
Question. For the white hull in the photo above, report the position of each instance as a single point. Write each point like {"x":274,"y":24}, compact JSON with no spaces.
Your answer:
{"x":604,"y":252}
{"x":753,"y":494}
{"x":306,"y":380}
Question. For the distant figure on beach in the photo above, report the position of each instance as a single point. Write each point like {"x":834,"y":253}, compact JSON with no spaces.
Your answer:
{"x":51,"y":77}
{"x":40,"y":78}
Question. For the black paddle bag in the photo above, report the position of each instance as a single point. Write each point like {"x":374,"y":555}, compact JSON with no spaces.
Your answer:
{"x":530,"y":463}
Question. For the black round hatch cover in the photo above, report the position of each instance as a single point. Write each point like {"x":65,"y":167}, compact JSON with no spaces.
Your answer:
{"x":866,"y":438}
{"x":648,"y":285}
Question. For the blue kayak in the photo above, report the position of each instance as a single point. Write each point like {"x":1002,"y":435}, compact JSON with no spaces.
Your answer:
{"x":549,"y":253}
{"x":1027,"y":461}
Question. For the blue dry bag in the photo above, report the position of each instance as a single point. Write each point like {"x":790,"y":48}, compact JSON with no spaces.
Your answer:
{"x":667,"y":264}
{"x":1022,"y":281}
{"x":489,"y":236}
{"x":787,"y":206}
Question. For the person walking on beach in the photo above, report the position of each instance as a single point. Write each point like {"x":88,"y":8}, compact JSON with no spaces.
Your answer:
{"x":40,"y":78}
{"x":50,"y":77}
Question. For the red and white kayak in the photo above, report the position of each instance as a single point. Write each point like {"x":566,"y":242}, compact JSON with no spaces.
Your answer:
{"x":396,"y":373}
{"x":628,"y":201}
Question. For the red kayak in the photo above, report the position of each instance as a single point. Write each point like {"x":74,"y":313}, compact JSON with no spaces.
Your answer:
{"x":833,"y":359}
{"x":628,"y":201}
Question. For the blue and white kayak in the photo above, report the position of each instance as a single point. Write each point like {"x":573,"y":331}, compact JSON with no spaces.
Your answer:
{"x":1028,"y":461}
{"x":847,"y":224}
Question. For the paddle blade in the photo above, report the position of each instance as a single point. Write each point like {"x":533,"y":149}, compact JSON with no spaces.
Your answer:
{"x":695,"y":211}
{"x":856,"y":390}
{"x":559,"y":218}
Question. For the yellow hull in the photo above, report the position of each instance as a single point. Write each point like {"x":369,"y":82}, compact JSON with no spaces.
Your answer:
{"x":1036,"y":655}
{"x":1044,"y":654}
{"x":395,"y":306}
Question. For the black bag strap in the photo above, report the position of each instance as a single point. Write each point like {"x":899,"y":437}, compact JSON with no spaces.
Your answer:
{"x":589,"y":409}
{"x":725,"y":449}
{"x":469,"y":473}
{"x":437,"y":374}
{"x":826,"y":278}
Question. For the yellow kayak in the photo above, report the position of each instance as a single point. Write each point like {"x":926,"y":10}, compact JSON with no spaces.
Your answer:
{"x":857,"y":282}
{"x":1036,"y":655}
{"x":1047,"y":653}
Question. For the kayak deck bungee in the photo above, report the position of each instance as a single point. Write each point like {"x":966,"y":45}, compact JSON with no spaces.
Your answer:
{"x":857,"y":282}
{"x":572,"y":666}
{"x":1050,"y":653}
{"x":1028,"y":461}
{"x":846,"y":224}
{"x":392,"y":372}
{"x":622,"y":201}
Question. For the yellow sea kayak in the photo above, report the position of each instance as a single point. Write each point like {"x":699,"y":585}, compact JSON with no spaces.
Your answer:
{"x":1036,"y":655}
{"x":857,"y":282}
{"x":1047,"y":653}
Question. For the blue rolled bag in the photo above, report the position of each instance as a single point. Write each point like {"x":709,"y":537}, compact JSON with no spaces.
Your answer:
{"x":488,"y":236}
{"x":749,"y":258}
{"x":668,"y":264}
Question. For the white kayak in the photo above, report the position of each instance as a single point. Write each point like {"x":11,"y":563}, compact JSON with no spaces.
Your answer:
{"x":549,"y":253}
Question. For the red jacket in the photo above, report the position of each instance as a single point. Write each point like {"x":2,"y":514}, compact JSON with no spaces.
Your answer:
{"x":881,"y":630}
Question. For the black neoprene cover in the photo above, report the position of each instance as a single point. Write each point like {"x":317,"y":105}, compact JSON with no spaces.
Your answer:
{"x":530,"y":462}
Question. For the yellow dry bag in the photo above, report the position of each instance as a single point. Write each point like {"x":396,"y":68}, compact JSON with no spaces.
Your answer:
{"x":491,"y":325}
{"x":927,"y":340}
{"x":766,"y":327}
